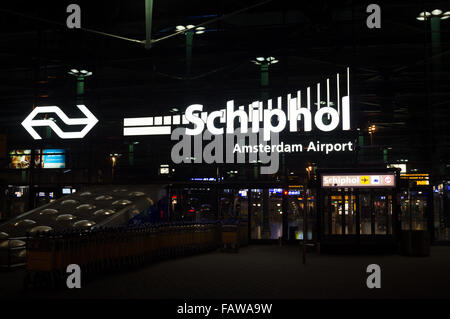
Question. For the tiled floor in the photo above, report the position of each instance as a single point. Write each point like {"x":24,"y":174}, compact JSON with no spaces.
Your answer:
{"x":264,"y":272}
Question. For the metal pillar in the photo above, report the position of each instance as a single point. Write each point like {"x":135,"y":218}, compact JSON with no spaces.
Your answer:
{"x":265,"y":233}
{"x":148,"y":23}
{"x":285,"y":220}
{"x":264,"y":94}
{"x":436,"y":42}
{"x":131,"y":154}
{"x":189,"y":41}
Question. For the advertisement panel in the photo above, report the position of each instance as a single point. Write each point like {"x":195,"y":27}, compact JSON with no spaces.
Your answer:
{"x":19,"y":159}
{"x":51,"y":158}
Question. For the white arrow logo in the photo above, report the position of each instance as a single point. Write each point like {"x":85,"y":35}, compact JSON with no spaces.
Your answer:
{"x":90,"y":120}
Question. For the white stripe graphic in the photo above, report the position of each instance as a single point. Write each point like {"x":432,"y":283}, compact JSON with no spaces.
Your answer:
{"x":138,"y":121}
{"x":153,"y":130}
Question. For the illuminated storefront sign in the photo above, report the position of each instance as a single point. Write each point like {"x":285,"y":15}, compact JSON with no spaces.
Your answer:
{"x":362,"y":180}
{"x":401,"y":166}
{"x":418,"y":179}
{"x":415,"y":176}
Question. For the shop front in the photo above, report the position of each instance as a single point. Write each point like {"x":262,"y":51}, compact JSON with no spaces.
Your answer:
{"x":273,"y":211}
{"x":339,"y":210}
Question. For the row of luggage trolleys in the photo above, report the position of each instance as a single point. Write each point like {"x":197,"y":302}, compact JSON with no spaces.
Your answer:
{"x":234,"y":234}
{"x":108,"y":249}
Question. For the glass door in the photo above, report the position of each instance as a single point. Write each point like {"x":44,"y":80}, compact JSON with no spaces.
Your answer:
{"x":340,"y":213}
{"x":266,"y":213}
{"x":375,"y":209}
{"x":298,"y":202}
{"x":242,"y":203}
{"x":382,"y":212}
{"x":346,"y":210}
{"x":226,"y":204}
{"x":336,"y":214}
{"x":275,"y":213}
{"x":295,"y":217}
{"x":414,"y":211}
{"x":349,"y":211}
{"x":256,"y":220}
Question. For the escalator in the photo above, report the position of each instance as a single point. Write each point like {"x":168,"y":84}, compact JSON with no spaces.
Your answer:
{"x":99,"y":206}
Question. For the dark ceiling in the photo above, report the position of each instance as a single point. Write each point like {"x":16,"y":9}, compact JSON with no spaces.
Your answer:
{"x":398,"y":79}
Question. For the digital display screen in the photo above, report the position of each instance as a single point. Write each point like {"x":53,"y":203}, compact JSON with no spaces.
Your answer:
{"x":164,"y":170}
{"x":243,"y":192}
{"x":51,"y":158}
{"x":278,"y":191}
{"x":19,"y":159}
{"x":66,"y":190}
{"x":203,"y":179}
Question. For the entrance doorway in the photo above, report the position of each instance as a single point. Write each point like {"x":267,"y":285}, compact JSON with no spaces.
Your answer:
{"x":357,"y":212}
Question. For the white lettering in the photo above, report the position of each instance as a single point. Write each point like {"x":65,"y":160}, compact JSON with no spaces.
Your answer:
{"x":295,"y":116}
{"x":318,"y":119}
{"x":195,"y":119}
{"x":268,"y":128}
{"x":232,"y":114}
{"x":210,"y":123}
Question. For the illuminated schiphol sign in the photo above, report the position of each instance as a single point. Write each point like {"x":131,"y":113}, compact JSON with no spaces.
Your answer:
{"x":214,"y":138}
{"x":246,"y":134}
{"x":255,"y":115}
{"x":362,"y":180}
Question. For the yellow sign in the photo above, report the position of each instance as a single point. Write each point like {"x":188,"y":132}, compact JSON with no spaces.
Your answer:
{"x":422,"y":183}
{"x":415,"y":176}
{"x":365,"y":180}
